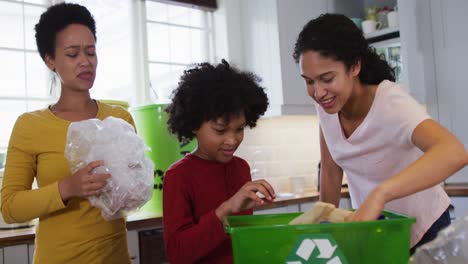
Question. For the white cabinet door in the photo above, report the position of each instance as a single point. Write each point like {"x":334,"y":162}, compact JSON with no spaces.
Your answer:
{"x":16,"y":254}
{"x":292,"y":16}
{"x":418,"y":52}
{"x":450,"y":39}
{"x":133,"y":248}
{"x":31,"y":253}
{"x":269,"y":31}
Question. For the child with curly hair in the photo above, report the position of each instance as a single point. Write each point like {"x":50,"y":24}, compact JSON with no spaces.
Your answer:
{"x":212,"y":104}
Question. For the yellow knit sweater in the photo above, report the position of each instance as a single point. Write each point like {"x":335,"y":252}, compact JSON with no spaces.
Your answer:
{"x":71,"y":233}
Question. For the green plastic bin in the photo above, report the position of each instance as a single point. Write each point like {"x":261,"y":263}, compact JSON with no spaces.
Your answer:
{"x":269,"y":239}
{"x":187,"y":147}
{"x":151,"y":123}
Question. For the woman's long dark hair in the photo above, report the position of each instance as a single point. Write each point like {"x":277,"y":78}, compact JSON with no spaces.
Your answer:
{"x":336,"y":36}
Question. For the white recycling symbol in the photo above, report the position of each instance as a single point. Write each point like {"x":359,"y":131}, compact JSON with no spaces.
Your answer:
{"x":324,"y":246}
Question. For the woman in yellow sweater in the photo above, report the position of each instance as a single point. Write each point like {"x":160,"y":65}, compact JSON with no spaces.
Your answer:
{"x":70,"y":230}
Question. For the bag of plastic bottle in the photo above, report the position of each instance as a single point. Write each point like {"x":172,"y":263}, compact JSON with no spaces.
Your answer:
{"x":114,"y":141}
{"x":449,"y":247}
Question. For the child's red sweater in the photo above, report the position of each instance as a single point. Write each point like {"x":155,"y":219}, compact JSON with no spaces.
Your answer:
{"x":193,"y":189}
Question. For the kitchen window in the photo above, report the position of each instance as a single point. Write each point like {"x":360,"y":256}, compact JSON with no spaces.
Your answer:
{"x":177,"y":36}
{"x":148,"y":45}
{"x":143,"y":47}
{"x":25,"y":81}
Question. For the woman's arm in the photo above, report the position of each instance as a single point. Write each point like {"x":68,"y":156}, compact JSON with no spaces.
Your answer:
{"x":19,"y":202}
{"x":331,"y":175}
{"x":443,"y":155}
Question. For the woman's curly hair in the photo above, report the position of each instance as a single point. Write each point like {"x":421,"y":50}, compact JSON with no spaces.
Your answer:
{"x":337,"y":37}
{"x":55,"y":19}
{"x":207,"y":92}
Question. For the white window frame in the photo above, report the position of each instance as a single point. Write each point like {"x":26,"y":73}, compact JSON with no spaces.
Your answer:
{"x":143,"y":92}
{"x":26,"y":98}
{"x":210,"y":49}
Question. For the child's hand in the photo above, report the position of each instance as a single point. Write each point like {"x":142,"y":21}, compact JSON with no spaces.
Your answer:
{"x":246,"y":198}
{"x":370,"y":210}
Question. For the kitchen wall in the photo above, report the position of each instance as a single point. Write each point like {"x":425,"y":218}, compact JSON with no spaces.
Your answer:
{"x":283,"y":149}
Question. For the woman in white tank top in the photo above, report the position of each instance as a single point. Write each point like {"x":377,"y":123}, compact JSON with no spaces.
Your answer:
{"x":393,"y":153}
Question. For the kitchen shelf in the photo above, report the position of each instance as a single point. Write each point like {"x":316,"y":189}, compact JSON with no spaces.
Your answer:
{"x":383,"y":34}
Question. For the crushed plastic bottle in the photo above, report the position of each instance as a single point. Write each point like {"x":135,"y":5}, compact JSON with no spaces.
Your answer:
{"x":114,"y":141}
{"x":449,"y":247}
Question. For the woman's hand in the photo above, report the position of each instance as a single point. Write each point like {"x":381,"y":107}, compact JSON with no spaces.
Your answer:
{"x":83,"y":183}
{"x":246,"y":198}
{"x":371,"y":209}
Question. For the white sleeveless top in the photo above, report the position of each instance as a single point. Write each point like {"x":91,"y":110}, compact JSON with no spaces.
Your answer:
{"x":380,"y":148}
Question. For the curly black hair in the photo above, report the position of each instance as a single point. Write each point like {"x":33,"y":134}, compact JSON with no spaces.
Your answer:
{"x":336,"y":36}
{"x":55,"y":19}
{"x":207,"y":92}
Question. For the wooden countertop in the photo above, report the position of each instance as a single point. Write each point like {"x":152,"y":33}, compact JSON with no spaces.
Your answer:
{"x":26,"y":235}
{"x":141,"y":220}
{"x":17,"y":236}
{"x":456,"y":189}
{"x":282,"y":201}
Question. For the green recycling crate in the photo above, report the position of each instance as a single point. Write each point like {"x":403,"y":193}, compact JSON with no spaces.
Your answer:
{"x":151,"y":123}
{"x":269,"y":239}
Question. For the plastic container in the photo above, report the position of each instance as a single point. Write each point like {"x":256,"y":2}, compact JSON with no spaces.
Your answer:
{"x":269,"y":239}
{"x":187,"y":148}
{"x":151,"y":123}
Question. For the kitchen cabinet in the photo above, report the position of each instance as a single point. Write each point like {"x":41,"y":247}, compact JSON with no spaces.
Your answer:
{"x":417,"y":52}
{"x":16,"y":255}
{"x":435,"y":38}
{"x":415,"y":35}
{"x":416,"y":44}
{"x":146,"y":246}
{"x":151,"y":244}
{"x":450,"y":38}
{"x":261,"y":39}
{"x":262,"y":34}
{"x":291,"y":19}
{"x":266,"y":34}
{"x":31,"y":253}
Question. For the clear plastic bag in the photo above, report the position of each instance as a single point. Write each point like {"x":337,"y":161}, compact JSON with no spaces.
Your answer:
{"x":115,"y":142}
{"x":449,"y":247}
